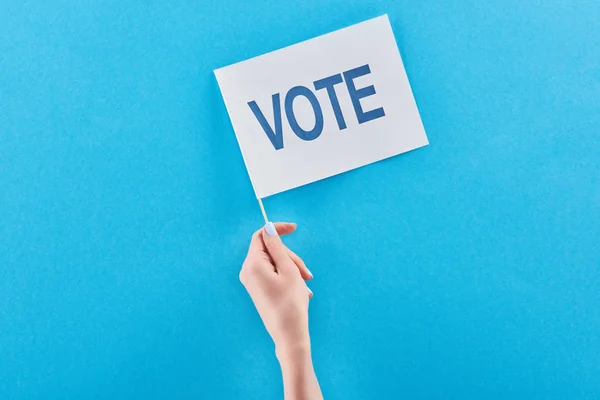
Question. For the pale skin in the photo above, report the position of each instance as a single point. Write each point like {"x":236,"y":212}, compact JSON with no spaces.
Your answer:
{"x":275,"y":279}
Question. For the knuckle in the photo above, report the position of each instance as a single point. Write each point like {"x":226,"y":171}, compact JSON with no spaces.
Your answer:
{"x":250,"y":269}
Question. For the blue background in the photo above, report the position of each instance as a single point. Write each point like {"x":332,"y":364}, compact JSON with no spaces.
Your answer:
{"x":467,"y":269}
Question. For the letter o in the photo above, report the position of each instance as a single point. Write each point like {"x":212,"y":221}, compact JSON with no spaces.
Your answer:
{"x":289,"y":111}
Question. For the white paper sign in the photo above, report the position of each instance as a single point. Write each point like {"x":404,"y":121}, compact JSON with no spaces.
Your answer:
{"x":321,"y":107}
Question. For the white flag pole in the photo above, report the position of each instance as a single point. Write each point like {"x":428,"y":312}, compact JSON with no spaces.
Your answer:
{"x":262,"y":209}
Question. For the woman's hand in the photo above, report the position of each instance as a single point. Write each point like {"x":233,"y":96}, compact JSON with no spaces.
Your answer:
{"x":275,"y":279}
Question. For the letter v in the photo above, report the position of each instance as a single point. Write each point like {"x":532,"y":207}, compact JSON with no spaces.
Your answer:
{"x":276,"y":136}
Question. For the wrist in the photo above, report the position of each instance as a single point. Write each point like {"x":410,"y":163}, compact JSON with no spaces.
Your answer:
{"x":293,"y":353}
{"x":299,"y":379}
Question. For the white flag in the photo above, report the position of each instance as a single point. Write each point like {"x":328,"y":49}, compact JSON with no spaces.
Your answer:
{"x":321,"y":107}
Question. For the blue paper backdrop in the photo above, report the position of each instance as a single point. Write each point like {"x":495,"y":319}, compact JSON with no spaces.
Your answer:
{"x":464,"y":270}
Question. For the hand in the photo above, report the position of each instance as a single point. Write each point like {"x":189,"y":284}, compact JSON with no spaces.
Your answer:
{"x":274,"y":277}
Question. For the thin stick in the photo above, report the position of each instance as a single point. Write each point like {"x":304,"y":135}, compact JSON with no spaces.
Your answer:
{"x":262,"y":209}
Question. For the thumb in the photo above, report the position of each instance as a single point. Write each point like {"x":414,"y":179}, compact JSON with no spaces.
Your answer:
{"x":276,"y":248}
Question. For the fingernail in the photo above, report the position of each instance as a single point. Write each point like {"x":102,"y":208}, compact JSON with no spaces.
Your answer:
{"x":310,"y":291}
{"x":270,"y":228}
{"x":309,"y":273}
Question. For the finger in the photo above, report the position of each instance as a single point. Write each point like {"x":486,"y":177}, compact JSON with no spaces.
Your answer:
{"x":285,"y":228}
{"x":304,"y":271}
{"x":277,"y":250}
{"x":256,"y":242}
{"x":257,"y":255}
{"x":282,"y":228}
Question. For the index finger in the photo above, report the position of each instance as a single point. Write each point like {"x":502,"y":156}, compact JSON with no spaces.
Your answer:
{"x":257,"y":243}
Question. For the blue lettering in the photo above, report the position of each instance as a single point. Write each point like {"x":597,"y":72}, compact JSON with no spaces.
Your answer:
{"x":275,"y":136}
{"x":357,"y":94}
{"x":328,"y":84}
{"x":275,"y":133}
{"x":289,"y":111}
